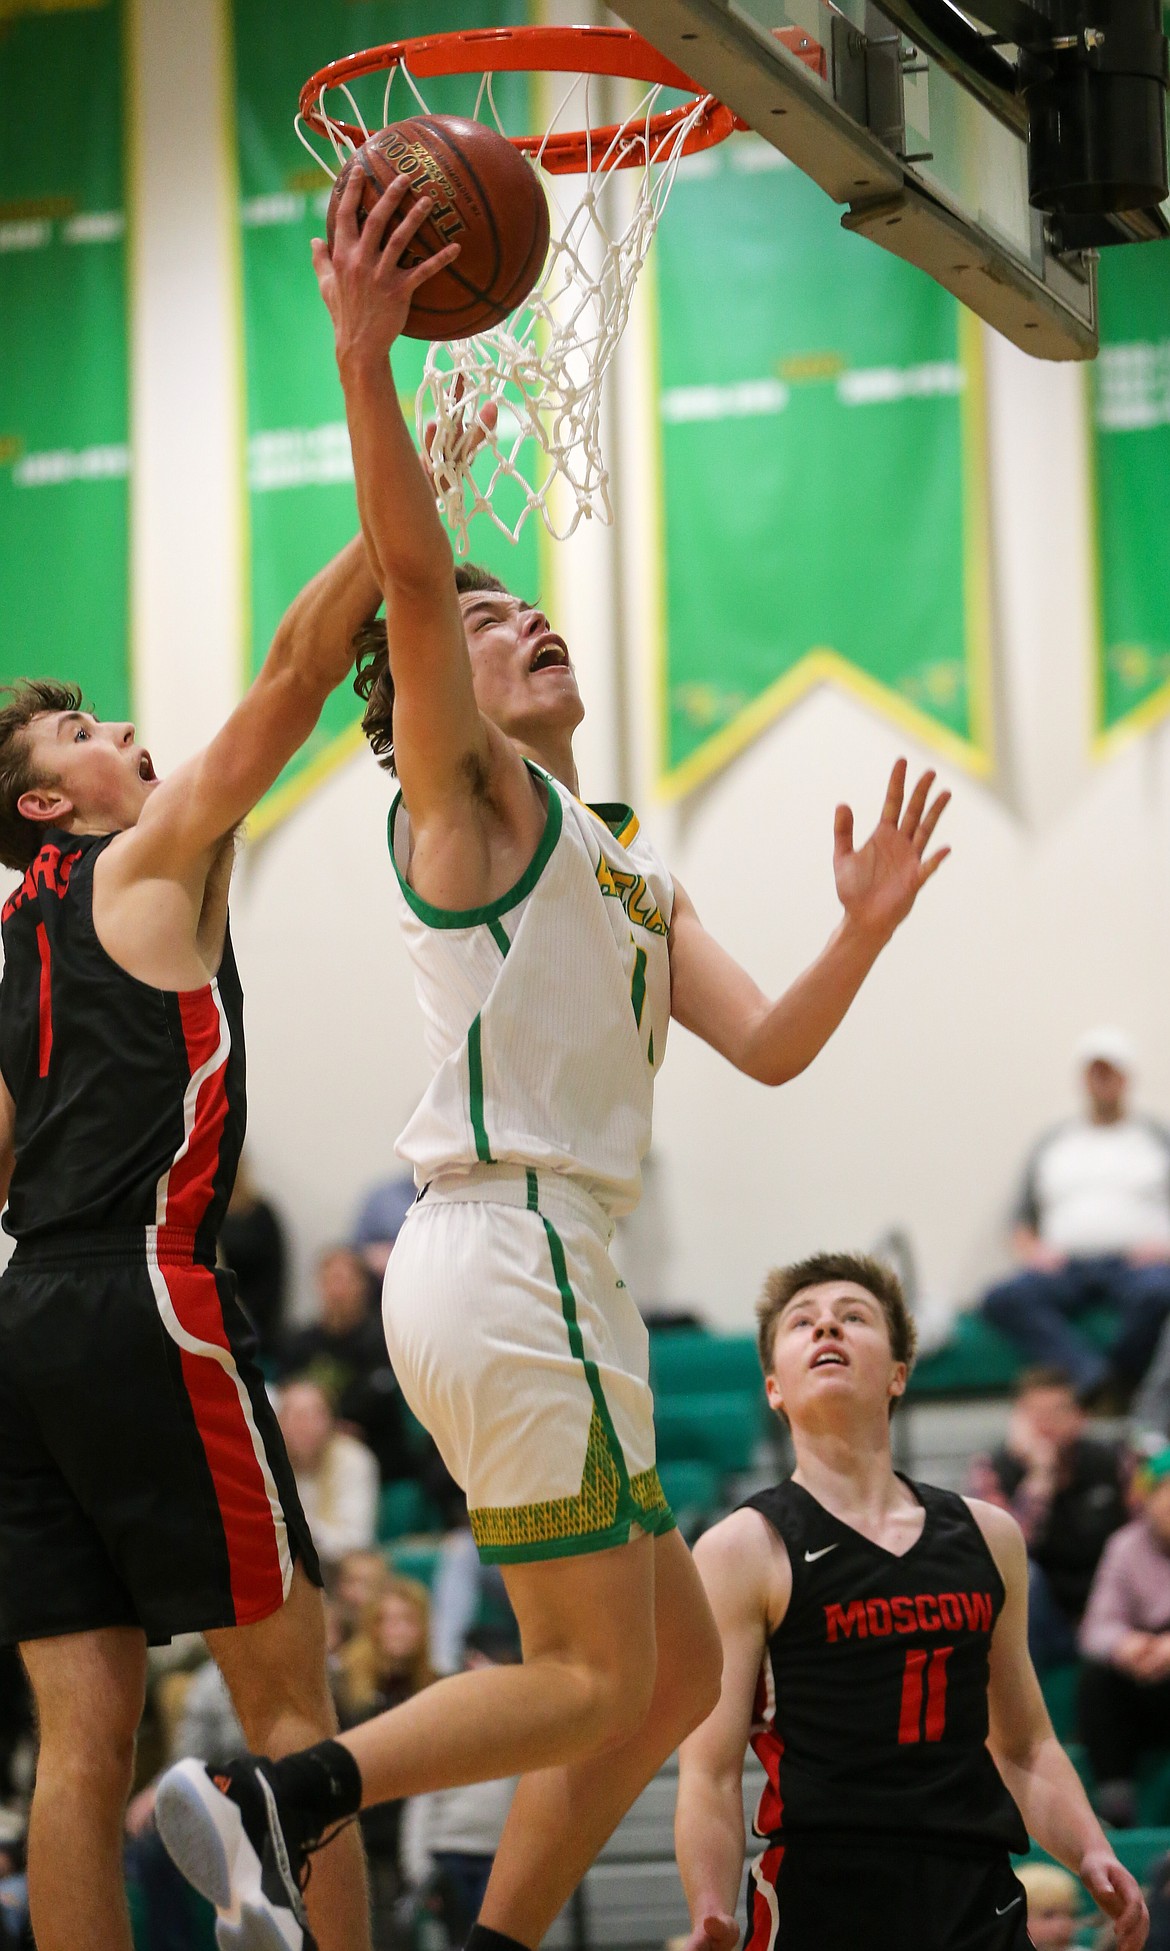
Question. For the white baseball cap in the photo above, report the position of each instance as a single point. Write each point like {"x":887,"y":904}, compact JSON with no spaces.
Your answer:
{"x":1107,"y":1045}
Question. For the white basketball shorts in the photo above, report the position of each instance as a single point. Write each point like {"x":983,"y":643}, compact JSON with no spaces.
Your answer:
{"x":519,"y":1348}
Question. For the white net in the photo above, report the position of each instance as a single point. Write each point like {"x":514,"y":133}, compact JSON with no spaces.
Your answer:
{"x":543,"y":368}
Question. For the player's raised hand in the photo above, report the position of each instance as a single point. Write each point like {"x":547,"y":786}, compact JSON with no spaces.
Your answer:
{"x":715,"y":1931}
{"x":1119,"y":1895}
{"x":365,"y":284}
{"x":879,"y":882}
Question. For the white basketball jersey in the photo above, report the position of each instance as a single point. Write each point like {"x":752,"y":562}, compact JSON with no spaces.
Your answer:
{"x":546,"y":1013}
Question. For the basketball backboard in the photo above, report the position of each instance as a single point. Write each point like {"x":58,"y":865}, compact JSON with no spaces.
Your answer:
{"x":929,"y":157}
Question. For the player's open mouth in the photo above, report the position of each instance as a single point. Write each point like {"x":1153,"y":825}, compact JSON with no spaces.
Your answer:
{"x":830,"y":1358}
{"x":146,"y":769}
{"x":551,"y":654}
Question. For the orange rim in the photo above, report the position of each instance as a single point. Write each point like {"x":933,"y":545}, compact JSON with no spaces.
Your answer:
{"x":550,"y":50}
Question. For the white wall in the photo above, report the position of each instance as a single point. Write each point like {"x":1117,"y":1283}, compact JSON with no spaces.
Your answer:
{"x":1051,"y":915}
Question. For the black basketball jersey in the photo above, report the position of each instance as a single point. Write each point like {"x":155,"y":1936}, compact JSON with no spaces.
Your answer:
{"x":877,"y":1717}
{"x":130,"y":1101}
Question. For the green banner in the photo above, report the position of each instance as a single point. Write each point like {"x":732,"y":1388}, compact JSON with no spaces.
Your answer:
{"x":300,"y":480}
{"x":823,"y":478}
{"x":1130,"y":388}
{"x":64,"y":414}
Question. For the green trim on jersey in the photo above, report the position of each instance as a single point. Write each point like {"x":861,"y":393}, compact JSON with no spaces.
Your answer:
{"x":638,"y":985}
{"x":483,"y":1150}
{"x":499,"y":935}
{"x":472,"y":917}
{"x":609,"y":1504}
{"x":621,"y":820}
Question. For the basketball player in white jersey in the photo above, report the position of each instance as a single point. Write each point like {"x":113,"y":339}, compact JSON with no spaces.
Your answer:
{"x":551,"y":949}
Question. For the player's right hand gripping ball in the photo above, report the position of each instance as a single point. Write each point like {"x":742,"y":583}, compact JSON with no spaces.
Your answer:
{"x":488,"y":200}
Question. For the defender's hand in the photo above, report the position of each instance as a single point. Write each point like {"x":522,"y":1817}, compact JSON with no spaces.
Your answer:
{"x":365,"y":285}
{"x":878,"y":884}
{"x":475,"y":431}
{"x":1118,"y":1894}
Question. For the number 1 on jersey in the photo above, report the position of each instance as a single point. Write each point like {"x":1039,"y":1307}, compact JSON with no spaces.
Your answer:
{"x":913,"y":1724}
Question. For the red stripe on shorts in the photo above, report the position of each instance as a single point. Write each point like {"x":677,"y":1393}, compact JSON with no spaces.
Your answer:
{"x":240,"y":1489}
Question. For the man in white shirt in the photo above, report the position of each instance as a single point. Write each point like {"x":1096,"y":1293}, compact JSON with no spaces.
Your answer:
{"x":1092,"y":1231}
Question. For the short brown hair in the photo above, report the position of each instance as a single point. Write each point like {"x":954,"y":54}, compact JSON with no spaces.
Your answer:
{"x":1042,"y":1376}
{"x":785,"y":1283}
{"x":20,"y":839}
{"x":372,"y":680}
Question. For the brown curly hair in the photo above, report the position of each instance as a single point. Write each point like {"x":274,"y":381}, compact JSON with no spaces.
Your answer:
{"x":372,"y":679}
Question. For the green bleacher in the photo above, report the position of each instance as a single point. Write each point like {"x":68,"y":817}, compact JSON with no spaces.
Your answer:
{"x":710,"y":1414}
{"x":977,"y":1360}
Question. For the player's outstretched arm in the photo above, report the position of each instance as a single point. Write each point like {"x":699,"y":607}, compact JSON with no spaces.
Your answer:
{"x":1040,"y":1776}
{"x":444,"y":750}
{"x":708,"y":1825}
{"x":878,"y":885}
{"x":192,"y":810}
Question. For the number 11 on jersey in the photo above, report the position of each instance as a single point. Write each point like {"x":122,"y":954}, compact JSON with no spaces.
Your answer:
{"x":913,"y":1723}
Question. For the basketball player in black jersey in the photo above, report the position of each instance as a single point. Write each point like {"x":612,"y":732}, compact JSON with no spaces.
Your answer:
{"x":144,"y":1486}
{"x":875,"y":1654}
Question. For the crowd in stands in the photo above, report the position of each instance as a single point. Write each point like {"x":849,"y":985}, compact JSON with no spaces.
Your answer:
{"x":1084,"y":1465}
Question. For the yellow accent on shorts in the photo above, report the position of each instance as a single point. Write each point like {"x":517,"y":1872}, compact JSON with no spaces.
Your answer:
{"x":588,"y":1522}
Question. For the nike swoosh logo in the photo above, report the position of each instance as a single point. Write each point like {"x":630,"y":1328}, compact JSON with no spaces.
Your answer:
{"x":1007,"y":1907}
{"x":810,"y":1557}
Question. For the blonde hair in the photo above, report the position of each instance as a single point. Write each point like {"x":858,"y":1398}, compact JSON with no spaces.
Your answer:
{"x":363,"y":1668}
{"x":1049,"y":1886}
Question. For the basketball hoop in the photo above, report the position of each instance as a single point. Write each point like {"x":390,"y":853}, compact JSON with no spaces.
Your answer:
{"x":543,"y":366}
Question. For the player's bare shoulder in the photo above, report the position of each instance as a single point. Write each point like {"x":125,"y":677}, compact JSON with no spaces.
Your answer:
{"x":166,"y":929}
{"x":744,"y":1564}
{"x":1003,"y":1538}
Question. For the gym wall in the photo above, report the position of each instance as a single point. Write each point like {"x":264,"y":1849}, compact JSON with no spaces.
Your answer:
{"x":1052,"y":915}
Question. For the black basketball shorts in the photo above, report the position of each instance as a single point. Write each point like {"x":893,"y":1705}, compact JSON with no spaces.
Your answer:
{"x":143,"y":1477}
{"x":837,"y":1893}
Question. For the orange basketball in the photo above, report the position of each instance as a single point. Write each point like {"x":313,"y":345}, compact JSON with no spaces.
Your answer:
{"x":488,"y":200}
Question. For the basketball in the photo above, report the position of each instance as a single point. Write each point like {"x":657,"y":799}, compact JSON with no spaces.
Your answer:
{"x":488,"y":200}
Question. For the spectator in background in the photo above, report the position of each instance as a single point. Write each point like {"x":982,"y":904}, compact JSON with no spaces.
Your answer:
{"x":384,"y":1663}
{"x":15,"y":1930}
{"x":344,"y":1351}
{"x":379,"y":1221}
{"x":209,"y":1729}
{"x":449,"y":1838}
{"x":360,"y":1577}
{"x":1067,"y":1492}
{"x":16,"y":1717}
{"x":467,"y":1594}
{"x":251,"y":1243}
{"x":1093,"y":1230}
{"x":1054,"y":1902}
{"x":1158,"y":1896}
{"x":336,"y":1475}
{"x":1125,"y":1642}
